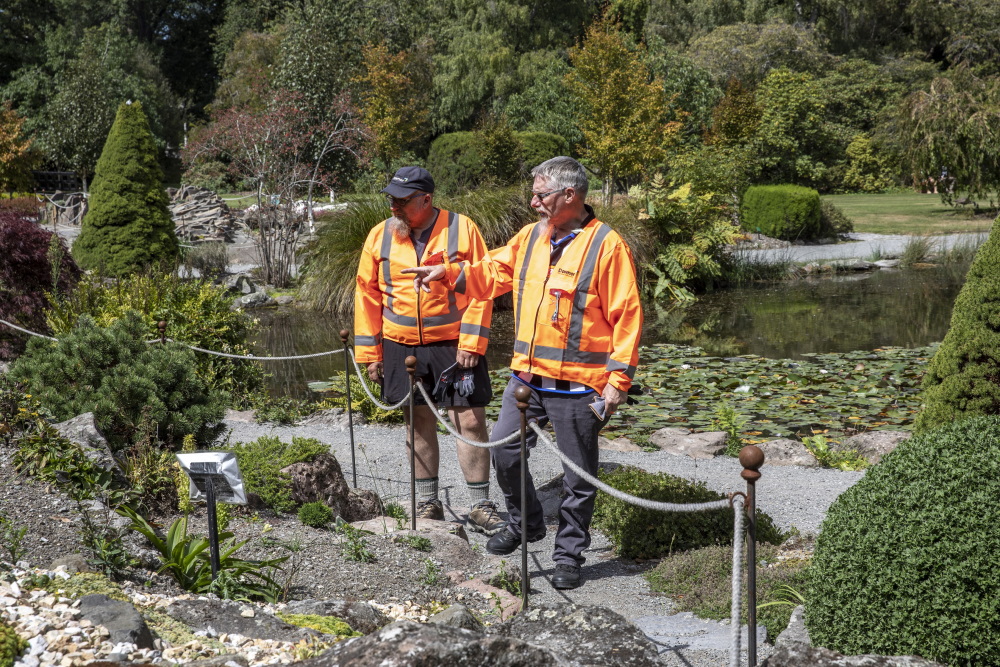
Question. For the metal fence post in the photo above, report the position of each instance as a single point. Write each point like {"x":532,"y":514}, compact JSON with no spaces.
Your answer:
{"x":751,"y":458}
{"x":411,"y":368}
{"x":344,"y":335}
{"x":523,"y":394}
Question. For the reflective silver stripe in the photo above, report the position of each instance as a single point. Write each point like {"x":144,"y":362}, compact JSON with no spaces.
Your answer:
{"x":407,"y":321}
{"x":452,"y":237}
{"x":559,"y":354}
{"x":475,"y":330}
{"x":619,"y":366}
{"x":386,"y":273}
{"x":368,"y":340}
{"x":460,"y":281}
{"x":586,"y":277}
{"x":532,"y":238}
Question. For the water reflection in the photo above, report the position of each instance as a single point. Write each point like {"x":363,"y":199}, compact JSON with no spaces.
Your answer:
{"x":838,"y":314}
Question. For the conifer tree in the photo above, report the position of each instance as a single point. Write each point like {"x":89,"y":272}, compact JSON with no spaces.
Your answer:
{"x":127,"y":226}
{"x":963,"y":378}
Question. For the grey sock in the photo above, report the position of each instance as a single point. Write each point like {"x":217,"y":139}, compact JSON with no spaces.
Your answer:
{"x":478,"y":491}
{"x":427,"y":489}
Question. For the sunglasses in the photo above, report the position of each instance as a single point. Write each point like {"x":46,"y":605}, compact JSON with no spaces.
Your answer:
{"x":542,"y":195}
{"x":400,"y":202}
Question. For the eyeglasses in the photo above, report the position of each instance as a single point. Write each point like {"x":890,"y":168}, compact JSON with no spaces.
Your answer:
{"x":400,"y":202}
{"x":542,"y":195}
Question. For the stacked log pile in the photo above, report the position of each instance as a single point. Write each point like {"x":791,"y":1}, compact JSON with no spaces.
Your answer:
{"x":200,"y":215}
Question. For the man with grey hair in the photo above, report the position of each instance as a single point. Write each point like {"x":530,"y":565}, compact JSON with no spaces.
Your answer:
{"x":577,"y":321}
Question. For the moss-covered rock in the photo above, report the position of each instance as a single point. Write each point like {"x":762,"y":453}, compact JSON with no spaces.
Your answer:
{"x":330,"y":625}
{"x":907,"y":559}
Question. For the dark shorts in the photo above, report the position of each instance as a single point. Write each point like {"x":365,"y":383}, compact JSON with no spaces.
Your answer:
{"x":432,"y":360}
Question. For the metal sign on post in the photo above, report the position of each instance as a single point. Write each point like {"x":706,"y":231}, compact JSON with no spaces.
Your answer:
{"x":215,"y":476}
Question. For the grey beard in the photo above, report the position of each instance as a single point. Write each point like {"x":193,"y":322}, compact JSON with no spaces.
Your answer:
{"x":400,"y":230}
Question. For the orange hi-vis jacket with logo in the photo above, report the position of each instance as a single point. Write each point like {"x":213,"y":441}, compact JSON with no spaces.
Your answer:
{"x":387,"y":306}
{"x":579,"y":319}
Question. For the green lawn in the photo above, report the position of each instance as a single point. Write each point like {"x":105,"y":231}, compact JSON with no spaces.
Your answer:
{"x":907,"y":213}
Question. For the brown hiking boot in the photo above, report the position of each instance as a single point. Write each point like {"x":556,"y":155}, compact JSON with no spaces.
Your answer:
{"x":430,"y":509}
{"x":483,"y":518}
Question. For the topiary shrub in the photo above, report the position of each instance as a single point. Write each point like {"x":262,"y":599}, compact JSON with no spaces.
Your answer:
{"x":782,"y":211}
{"x":261,"y":462}
{"x":463,"y":160}
{"x":196,"y":312}
{"x":131,"y":387}
{"x":11,"y":645}
{"x":537,"y":147}
{"x":315,"y":515}
{"x":642,"y":533}
{"x":127,"y":226}
{"x":907,"y":560}
{"x":961,"y":380}
{"x":454,"y":161}
{"x":26,"y":275}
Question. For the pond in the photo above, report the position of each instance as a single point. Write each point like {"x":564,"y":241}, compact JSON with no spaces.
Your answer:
{"x":787,"y":320}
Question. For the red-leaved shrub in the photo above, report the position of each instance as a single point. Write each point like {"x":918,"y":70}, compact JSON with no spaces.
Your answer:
{"x":26,"y":252}
{"x":27,"y":207}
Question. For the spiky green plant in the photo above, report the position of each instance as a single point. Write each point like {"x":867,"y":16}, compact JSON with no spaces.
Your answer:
{"x":127,"y":226}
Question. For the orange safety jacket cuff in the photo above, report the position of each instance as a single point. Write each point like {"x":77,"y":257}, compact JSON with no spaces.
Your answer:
{"x":367,"y":349}
{"x":474,"y":338}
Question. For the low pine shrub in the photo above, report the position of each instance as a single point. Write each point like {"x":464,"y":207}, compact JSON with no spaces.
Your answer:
{"x":789,"y":212}
{"x":906,"y":562}
{"x":261,"y":462}
{"x":27,"y":275}
{"x":11,"y":645}
{"x":128,"y":385}
{"x":315,"y":515}
{"x":642,"y":533}
{"x":196,"y":312}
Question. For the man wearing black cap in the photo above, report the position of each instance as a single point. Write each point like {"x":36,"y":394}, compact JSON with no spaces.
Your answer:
{"x":445,"y":330}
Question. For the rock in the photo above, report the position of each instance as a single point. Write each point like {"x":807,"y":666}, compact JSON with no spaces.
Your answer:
{"x":585,"y":634}
{"x":451,"y":550}
{"x":71,"y":563}
{"x":381,"y":525}
{"x":227,"y":660}
{"x":458,"y":616}
{"x":248,"y":416}
{"x":873,"y":445}
{"x":120,"y":618}
{"x":333,"y":417}
{"x":361,"y":616}
{"x":241,"y":283}
{"x":408,"y":643}
{"x":284,"y":300}
{"x":801,"y":655}
{"x":681,"y":442}
{"x":617,"y":445}
{"x":200,"y":215}
{"x":224,"y":616}
{"x":83,"y":431}
{"x":787,"y":452}
{"x":322,"y":480}
{"x":796,"y":632}
{"x":254,"y":300}
{"x":887,"y":263}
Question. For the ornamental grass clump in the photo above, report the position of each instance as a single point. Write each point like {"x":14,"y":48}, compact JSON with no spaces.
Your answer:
{"x":907,"y":562}
{"x":643,"y":533}
{"x":961,"y":380}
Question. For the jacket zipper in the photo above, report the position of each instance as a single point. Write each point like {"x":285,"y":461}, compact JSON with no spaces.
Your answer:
{"x":420,"y":320}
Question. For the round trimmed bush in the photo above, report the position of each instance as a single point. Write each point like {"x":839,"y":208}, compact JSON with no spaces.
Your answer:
{"x":315,"y":515}
{"x":789,"y":212}
{"x":907,"y":560}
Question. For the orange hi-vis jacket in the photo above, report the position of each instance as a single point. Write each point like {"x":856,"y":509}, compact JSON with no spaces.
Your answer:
{"x":387,"y":306}
{"x":578,"y":320}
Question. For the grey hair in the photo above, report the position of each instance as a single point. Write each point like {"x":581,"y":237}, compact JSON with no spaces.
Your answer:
{"x":563,"y":172}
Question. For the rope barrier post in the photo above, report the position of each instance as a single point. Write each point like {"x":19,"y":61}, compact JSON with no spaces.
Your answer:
{"x":411,"y":368}
{"x":344,"y":335}
{"x":162,"y":326}
{"x":751,"y":458}
{"x":522,"y":394}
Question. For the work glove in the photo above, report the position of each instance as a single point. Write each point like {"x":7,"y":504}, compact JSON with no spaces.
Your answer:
{"x":465,"y":383}
{"x":446,"y":380}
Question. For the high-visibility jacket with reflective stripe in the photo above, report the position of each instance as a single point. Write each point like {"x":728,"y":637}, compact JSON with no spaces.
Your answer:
{"x":386,"y":305}
{"x":579,"y":321}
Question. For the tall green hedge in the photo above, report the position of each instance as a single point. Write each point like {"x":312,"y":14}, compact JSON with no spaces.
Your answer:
{"x":127,"y":226}
{"x":963,"y":378}
{"x":789,"y":212}
{"x":907,"y":561}
{"x":456,"y":164}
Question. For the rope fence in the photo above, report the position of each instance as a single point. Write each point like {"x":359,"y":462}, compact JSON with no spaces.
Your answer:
{"x":743,"y":504}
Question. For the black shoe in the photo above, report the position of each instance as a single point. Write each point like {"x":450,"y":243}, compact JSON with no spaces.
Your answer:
{"x":566,"y":576}
{"x":506,"y":542}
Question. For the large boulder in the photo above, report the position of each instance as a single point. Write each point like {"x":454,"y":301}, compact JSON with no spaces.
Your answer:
{"x":682,"y":442}
{"x":322,"y":480}
{"x":408,"y":643}
{"x":787,"y":452}
{"x":873,"y":445}
{"x":224,"y":616}
{"x":361,"y":616}
{"x":796,"y":632}
{"x":803,"y":655}
{"x":82,"y":430}
{"x":121,"y":619}
{"x":586,"y":635}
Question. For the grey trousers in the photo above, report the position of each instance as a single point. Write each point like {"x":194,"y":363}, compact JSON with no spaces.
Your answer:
{"x":576,"y":427}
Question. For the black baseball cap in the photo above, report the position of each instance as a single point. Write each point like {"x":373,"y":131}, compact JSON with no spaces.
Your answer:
{"x":408,"y":180}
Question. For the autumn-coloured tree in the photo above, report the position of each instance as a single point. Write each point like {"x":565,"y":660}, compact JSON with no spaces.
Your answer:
{"x":622,"y":107}
{"x":284,"y":153}
{"x":394,"y":101}
{"x":16,"y":155}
